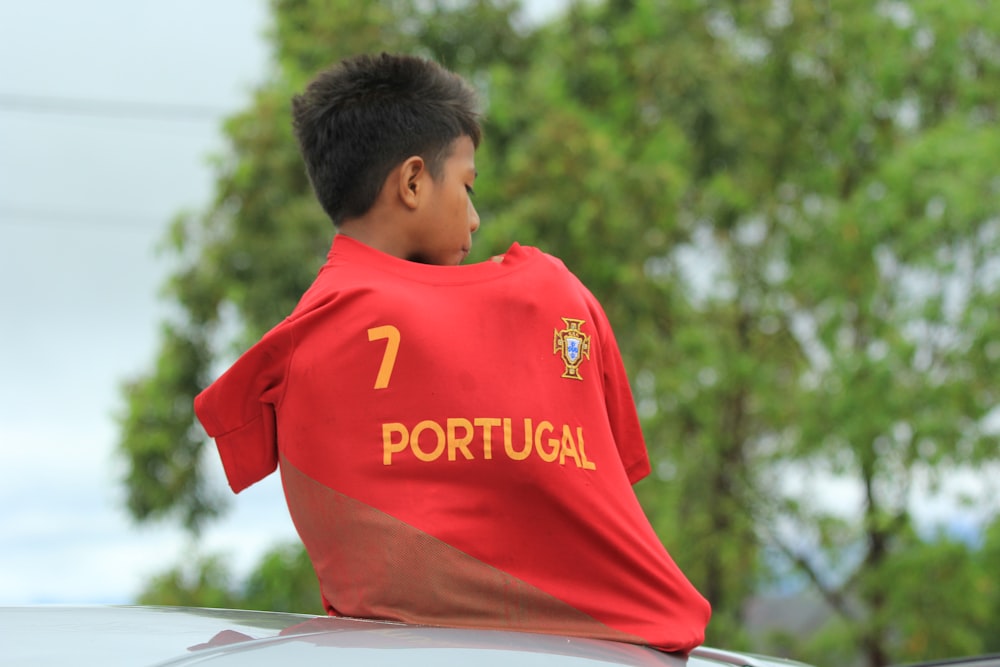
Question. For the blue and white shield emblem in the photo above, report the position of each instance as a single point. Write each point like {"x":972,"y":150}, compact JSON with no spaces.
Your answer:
{"x":573,"y":349}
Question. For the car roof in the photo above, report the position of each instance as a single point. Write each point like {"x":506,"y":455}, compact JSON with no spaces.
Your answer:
{"x":132,"y":635}
{"x":986,"y":660}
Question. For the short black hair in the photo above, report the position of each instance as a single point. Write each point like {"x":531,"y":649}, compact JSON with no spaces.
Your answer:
{"x":360,"y":118}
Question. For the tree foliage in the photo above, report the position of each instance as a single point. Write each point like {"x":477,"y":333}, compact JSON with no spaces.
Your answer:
{"x":284,"y":580}
{"x":791,"y":212}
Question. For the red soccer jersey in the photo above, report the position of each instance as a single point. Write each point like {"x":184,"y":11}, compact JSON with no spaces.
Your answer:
{"x":457,"y":447}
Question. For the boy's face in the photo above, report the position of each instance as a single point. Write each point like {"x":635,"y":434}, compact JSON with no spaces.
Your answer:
{"x":444,"y":232}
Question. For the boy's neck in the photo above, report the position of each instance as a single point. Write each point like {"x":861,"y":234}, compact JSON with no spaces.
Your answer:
{"x":375,"y":232}
{"x":386,"y":226}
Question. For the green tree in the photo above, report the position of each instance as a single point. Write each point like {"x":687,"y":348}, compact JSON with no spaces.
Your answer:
{"x":988,"y":586}
{"x":891,"y":278}
{"x":206,"y":582}
{"x":284,"y":580}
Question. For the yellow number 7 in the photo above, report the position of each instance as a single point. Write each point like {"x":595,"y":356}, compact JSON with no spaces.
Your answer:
{"x":391,"y":336}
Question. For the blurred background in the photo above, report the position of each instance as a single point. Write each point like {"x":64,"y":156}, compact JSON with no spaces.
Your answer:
{"x":790,"y":210}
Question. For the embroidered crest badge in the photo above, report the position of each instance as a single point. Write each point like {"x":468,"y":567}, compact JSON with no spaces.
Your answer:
{"x":572,"y":345}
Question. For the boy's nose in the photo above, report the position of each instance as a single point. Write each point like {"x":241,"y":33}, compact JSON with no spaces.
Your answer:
{"x":473,"y":218}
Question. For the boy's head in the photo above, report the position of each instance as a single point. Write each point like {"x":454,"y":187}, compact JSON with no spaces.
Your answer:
{"x":358,"y":120}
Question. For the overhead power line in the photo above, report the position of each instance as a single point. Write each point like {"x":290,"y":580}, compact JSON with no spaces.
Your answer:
{"x":77,"y":106}
{"x":51,"y":218}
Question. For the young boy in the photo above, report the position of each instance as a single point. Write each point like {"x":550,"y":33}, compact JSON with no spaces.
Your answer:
{"x":457,"y":444}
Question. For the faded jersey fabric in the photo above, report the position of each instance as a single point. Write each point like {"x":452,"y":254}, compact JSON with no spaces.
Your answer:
{"x":457,"y":447}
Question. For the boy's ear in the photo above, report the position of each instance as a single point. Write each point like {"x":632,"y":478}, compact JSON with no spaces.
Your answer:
{"x":410,"y":180}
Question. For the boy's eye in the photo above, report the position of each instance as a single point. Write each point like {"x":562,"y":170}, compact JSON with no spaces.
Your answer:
{"x":468,"y":188}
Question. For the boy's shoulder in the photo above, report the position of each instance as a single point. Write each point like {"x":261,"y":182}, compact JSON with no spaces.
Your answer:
{"x":518,"y":253}
{"x":352,"y":268}
{"x":349,"y":256}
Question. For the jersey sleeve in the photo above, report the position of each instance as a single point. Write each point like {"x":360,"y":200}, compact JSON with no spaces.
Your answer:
{"x":619,"y":400}
{"x":239,"y":409}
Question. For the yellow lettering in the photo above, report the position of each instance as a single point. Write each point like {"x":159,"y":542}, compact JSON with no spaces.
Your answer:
{"x":587,"y":465}
{"x":568,"y":447}
{"x":427,"y":425}
{"x":456,"y":443}
{"x":461,"y":435}
{"x":388,"y":446}
{"x":391,"y":336}
{"x":488,"y":423}
{"x":508,"y":441}
{"x":553,"y":453}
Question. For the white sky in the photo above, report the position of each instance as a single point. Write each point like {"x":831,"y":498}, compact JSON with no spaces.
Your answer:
{"x":83,"y":201}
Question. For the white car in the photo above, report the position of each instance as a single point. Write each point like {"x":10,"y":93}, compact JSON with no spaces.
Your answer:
{"x":46,"y":636}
